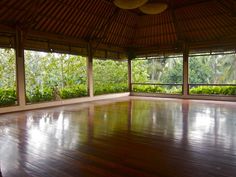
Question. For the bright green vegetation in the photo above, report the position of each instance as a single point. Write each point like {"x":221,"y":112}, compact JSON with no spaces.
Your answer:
{"x":7,"y":97}
{"x":162,"y":71}
{"x":157,"y":89}
{"x":48,"y":94}
{"x":213,"y":90}
{"x":158,"y":71}
{"x":73,"y":92}
{"x":213,"y":69}
{"x":110,"y":76}
{"x":208,"y":69}
{"x":53,"y":76}
{"x":7,"y":77}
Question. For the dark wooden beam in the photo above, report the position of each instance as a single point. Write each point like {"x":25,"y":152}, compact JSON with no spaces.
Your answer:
{"x":178,"y":29}
{"x":191,"y":3}
{"x":104,"y":29}
{"x":32,"y":14}
{"x":228,"y":5}
{"x":226,"y":44}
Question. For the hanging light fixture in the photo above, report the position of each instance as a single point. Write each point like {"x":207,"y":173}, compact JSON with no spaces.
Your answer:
{"x":153,"y":8}
{"x":129,"y":4}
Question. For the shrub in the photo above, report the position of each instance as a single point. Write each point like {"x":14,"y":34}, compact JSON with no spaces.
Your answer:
{"x":106,"y":88}
{"x":73,"y":92}
{"x":39,"y":96}
{"x":175,"y":90}
{"x":7,"y":97}
{"x":156,"y":89}
{"x":213,"y":90}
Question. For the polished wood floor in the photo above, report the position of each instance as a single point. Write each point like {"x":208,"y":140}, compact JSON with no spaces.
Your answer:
{"x":126,"y":137}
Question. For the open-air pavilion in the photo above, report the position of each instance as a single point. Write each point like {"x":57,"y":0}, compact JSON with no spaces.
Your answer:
{"x":118,"y":88}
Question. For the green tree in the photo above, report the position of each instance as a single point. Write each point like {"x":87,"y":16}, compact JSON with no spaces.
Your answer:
{"x":7,"y":77}
{"x":48,"y":74}
{"x":140,"y":71}
{"x":7,"y":68}
{"x":110,"y":76}
{"x":200,"y":71}
{"x":173,"y":72}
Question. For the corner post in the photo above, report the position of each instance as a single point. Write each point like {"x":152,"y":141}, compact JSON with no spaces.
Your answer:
{"x":90,"y":70}
{"x":20,"y":67}
{"x":129,"y":75}
{"x":185,"y":70}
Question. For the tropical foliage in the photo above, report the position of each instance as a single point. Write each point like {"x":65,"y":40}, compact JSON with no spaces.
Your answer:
{"x":214,"y":90}
{"x":158,"y":71}
{"x":7,"y":97}
{"x":207,"y":69}
{"x":213,"y":69}
{"x":158,"y":89}
{"x":110,"y":76}
{"x":53,"y":76}
{"x":7,"y":77}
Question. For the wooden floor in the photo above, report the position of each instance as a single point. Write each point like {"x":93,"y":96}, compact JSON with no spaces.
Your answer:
{"x":125,"y":137}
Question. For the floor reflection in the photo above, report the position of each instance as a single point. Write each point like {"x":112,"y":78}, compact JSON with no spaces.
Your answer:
{"x":36,"y":138}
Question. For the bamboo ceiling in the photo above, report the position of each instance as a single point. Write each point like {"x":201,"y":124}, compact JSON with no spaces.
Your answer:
{"x":195,"y":22}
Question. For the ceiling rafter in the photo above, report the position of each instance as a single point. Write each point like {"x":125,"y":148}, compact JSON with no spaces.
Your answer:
{"x":179,"y":31}
{"x":228,"y":5}
{"x":95,"y":20}
{"x":105,"y":29}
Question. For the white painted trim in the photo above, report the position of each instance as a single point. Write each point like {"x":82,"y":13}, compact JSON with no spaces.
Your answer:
{"x":61,"y":103}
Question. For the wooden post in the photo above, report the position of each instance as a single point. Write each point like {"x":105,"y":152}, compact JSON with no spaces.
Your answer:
{"x":20,"y":67}
{"x":185,"y":70}
{"x":129,"y":75}
{"x":90,"y":70}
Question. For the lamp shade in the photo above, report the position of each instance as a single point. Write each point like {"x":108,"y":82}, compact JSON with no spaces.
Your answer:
{"x":153,"y":8}
{"x":129,"y":4}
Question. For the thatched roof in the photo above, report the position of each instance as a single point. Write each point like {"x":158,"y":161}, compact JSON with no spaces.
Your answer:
{"x":201,"y":24}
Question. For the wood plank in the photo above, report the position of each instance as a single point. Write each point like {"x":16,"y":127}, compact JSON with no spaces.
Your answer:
{"x":142,"y":137}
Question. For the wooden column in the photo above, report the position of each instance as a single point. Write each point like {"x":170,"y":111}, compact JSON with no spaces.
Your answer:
{"x":90,"y":70}
{"x":129,"y":75}
{"x":185,"y":70}
{"x":20,"y":67}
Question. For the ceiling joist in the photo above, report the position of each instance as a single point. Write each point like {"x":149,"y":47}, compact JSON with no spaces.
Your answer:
{"x":101,"y":23}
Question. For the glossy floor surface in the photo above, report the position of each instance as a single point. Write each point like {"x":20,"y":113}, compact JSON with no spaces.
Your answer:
{"x":125,"y":137}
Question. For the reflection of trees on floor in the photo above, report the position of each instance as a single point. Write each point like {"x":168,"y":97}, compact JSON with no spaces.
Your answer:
{"x":138,"y":137}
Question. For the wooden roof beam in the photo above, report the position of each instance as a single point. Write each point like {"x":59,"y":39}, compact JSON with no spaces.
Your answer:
{"x":179,"y":32}
{"x":190,"y":3}
{"x":103,"y":31}
{"x":228,"y":5}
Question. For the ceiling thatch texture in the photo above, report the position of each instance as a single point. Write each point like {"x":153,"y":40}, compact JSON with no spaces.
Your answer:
{"x":100,"y":22}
